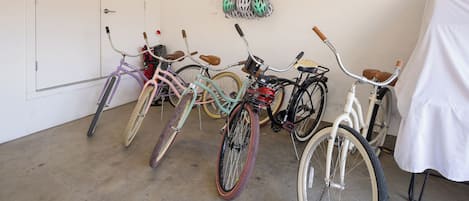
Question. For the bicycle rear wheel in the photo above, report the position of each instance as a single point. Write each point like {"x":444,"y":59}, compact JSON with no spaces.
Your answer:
{"x":171,"y":129}
{"x":137,"y":116}
{"x":310,"y":104}
{"x":186,"y":75}
{"x":229,"y":83}
{"x":238,"y":151}
{"x":363,"y":176}
{"x":101,"y":105}
{"x":380,"y":120}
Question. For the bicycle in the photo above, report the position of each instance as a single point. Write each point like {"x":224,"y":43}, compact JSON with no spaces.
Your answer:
{"x":223,"y":99}
{"x":338,"y":162}
{"x":174,"y":83}
{"x":113,"y":80}
{"x":307,"y":103}
{"x":239,"y":144}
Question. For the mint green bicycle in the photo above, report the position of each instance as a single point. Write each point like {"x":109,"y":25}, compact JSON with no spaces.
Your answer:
{"x":224,"y":99}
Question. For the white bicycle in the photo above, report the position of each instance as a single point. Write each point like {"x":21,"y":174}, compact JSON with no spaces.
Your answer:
{"x":338,"y":162}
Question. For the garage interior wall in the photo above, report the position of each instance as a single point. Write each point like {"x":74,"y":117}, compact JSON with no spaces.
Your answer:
{"x":368,"y":33}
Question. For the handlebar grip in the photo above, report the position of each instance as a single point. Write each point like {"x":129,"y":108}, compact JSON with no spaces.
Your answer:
{"x":145,"y":35}
{"x":298,"y":57}
{"x":194,"y":53}
{"x":107,"y":30}
{"x":240,"y":32}
{"x":319,"y":33}
{"x":184,"y":33}
{"x":242,"y":62}
{"x":399,"y":63}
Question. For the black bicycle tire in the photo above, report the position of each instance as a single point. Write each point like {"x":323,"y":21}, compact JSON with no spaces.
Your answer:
{"x":251,"y":155}
{"x":298,"y":95}
{"x":179,"y":112}
{"x":101,"y":106}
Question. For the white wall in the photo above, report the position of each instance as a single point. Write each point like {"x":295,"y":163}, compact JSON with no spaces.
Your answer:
{"x":368,"y":33}
{"x":22,"y":112}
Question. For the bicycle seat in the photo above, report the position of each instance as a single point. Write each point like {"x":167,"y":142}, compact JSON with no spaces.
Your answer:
{"x":375,"y":74}
{"x":211,"y":59}
{"x":305,"y":63}
{"x":176,"y":55}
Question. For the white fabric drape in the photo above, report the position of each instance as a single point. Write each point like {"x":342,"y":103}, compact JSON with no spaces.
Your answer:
{"x":433,"y":94}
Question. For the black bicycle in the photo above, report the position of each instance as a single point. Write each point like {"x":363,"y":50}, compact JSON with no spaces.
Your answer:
{"x":241,"y":133}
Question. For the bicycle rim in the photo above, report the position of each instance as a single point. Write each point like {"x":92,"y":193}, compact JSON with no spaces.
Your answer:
{"x":230,"y":85}
{"x":237,"y":152}
{"x":363,"y":180}
{"x":171,"y":129}
{"x":137,"y":116}
{"x":309,"y":109}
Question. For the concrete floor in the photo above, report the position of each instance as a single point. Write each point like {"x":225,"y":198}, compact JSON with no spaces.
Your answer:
{"x":62,"y":164}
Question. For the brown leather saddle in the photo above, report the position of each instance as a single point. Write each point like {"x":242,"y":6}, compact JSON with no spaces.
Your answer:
{"x":210,"y":59}
{"x":375,"y":74}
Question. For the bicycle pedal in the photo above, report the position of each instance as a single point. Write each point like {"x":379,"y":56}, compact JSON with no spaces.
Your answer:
{"x":276,"y":128}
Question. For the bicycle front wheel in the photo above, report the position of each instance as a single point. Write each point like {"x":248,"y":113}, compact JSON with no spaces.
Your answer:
{"x":137,"y":116}
{"x":229,"y":83}
{"x":380,"y":120}
{"x":101,"y":105}
{"x":171,"y":129}
{"x":237,"y":152}
{"x":310,"y":104}
{"x":352,"y":157}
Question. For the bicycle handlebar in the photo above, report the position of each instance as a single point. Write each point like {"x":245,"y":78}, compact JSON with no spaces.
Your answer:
{"x":184,"y":36}
{"x":162,"y":58}
{"x":357,"y":77}
{"x":266,"y":67}
{"x":123,"y":53}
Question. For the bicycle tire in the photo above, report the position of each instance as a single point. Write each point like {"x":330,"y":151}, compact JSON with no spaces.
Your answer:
{"x":137,"y":116}
{"x":212,"y":109}
{"x":311,"y":178}
{"x":305,"y":122}
{"x":380,"y":120}
{"x":275,"y":106}
{"x":230,"y":185}
{"x":101,"y":105}
{"x":169,"y":132}
{"x":191,"y":71}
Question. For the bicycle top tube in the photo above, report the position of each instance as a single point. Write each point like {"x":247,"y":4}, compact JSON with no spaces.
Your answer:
{"x":123,"y":53}
{"x":363,"y":79}
{"x":264,"y":66}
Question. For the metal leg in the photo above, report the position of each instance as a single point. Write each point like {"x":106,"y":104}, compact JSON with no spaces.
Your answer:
{"x":294,"y":145}
{"x":162,"y":106}
{"x":200,"y":117}
{"x":412,"y":184}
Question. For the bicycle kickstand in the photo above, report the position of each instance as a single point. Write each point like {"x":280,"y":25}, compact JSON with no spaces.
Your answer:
{"x":162,"y":107}
{"x":294,"y":146}
{"x":200,"y":117}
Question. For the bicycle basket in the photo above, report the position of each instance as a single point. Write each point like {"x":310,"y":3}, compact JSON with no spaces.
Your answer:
{"x":251,"y":67}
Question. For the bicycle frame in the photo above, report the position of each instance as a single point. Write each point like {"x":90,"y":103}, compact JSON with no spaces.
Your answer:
{"x":353,"y":116}
{"x":121,"y":69}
